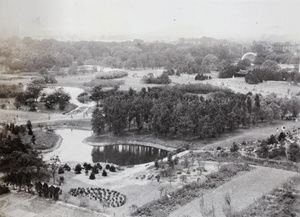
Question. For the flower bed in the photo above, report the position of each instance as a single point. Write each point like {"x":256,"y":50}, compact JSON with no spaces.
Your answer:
{"x":111,"y":197}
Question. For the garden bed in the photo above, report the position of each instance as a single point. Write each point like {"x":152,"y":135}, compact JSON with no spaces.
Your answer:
{"x":191,"y":191}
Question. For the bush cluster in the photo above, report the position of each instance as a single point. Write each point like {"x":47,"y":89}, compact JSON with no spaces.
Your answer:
{"x":151,"y":79}
{"x":46,"y":191}
{"x":259,"y":75}
{"x":201,"y":77}
{"x":4,"y":189}
{"x":111,"y":75}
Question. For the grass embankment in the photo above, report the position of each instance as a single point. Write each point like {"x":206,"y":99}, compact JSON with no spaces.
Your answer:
{"x":191,"y":191}
{"x":44,"y":139}
{"x":145,"y":137}
{"x":238,"y":158}
{"x":83,"y":124}
{"x":282,"y":201}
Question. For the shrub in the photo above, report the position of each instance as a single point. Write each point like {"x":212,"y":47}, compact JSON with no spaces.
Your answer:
{"x":61,"y":180}
{"x":67,"y":167}
{"x":4,"y":190}
{"x":293,"y":152}
{"x":99,"y":166}
{"x":104,"y":173}
{"x":201,"y":77}
{"x":107,"y":166}
{"x":92,"y":176}
{"x":95,"y":170}
{"x":234,"y":147}
{"x":111,"y":75}
{"x":78,"y":169}
{"x":60,"y":170}
{"x":112,"y":168}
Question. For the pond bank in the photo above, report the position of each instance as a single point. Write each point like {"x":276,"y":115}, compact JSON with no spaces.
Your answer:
{"x":134,"y":142}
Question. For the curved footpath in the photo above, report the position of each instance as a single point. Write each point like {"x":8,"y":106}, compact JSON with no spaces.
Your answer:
{"x":243,"y":190}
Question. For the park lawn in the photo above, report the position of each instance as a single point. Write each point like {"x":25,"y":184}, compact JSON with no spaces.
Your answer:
{"x":44,"y":139}
{"x":42,"y":108}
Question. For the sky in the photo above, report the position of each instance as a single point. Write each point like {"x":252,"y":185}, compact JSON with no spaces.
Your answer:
{"x":150,"y":19}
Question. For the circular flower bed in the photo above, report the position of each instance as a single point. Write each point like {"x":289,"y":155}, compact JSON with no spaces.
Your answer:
{"x":111,"y":197}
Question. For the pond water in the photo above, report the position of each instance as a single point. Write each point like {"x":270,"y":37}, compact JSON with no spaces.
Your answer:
{"x":127,"y":154}
{"x":72,"y":148}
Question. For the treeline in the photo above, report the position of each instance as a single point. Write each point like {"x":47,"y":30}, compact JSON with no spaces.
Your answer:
{"x":259,"y":75}
{"x":10,"y":90}
{"x":186,"y":56}
{"x":175,"y":112}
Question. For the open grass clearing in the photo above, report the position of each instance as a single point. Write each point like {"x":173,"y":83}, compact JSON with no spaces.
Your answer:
{"x":44,"y":139}
{"x":26,"y":205}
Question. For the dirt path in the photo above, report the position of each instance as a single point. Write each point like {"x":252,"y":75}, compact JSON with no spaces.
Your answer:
{"x":243,"y":190}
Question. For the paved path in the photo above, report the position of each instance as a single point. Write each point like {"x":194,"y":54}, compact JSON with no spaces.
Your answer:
{"x":243,"y":190}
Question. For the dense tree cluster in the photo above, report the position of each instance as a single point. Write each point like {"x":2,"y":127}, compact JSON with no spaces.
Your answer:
{"x":201,"y":77}
{"x":187,"y":56}
{"x":176,"y":111}
{"x":59,"y":96}
{"x":20,"y":164}
{"x":259,"y":75}
{"x":161,"y":79}
{"x":29,"y":96}
{"x":10,"y":90}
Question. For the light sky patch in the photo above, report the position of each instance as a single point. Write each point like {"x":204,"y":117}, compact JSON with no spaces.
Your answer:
{"x":148,"y":19}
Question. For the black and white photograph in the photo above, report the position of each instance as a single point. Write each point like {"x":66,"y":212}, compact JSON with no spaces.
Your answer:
{"x":149,"y":108}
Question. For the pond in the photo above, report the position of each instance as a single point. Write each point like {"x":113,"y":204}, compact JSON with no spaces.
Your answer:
{"x":72,"y":148}
{"x":127,"y":154}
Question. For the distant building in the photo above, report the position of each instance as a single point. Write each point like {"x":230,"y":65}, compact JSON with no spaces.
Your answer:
{"x":285,"y":46}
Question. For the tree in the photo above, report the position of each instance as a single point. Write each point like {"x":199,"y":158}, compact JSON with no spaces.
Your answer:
{"x":98,"y":121}
{"x":209,"y":62}
{"x":271,"y":65}
{"x":92,"y":176}
{"x":60,"y":97}
{"x":97,"y":94}
{"x":78,"y":169}
{"x":33,"y":91}
{"x":293,"y":152}
{"x":183,"y":178}
{"x":29,"y":125}
{"x":244,"y":64}
{"x":20,"y":163}
{"x":55,"y":163}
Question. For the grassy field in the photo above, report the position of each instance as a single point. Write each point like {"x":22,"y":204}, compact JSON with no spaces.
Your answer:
{"x":44,"y":139}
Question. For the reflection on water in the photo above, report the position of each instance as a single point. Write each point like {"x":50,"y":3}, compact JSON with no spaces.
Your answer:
{"x":127,"y":154}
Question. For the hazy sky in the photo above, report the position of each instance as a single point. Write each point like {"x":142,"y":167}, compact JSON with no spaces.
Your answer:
{"x":149,"y":19}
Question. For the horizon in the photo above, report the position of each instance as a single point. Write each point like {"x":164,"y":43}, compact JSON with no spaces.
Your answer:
{"x":113,"y":20}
